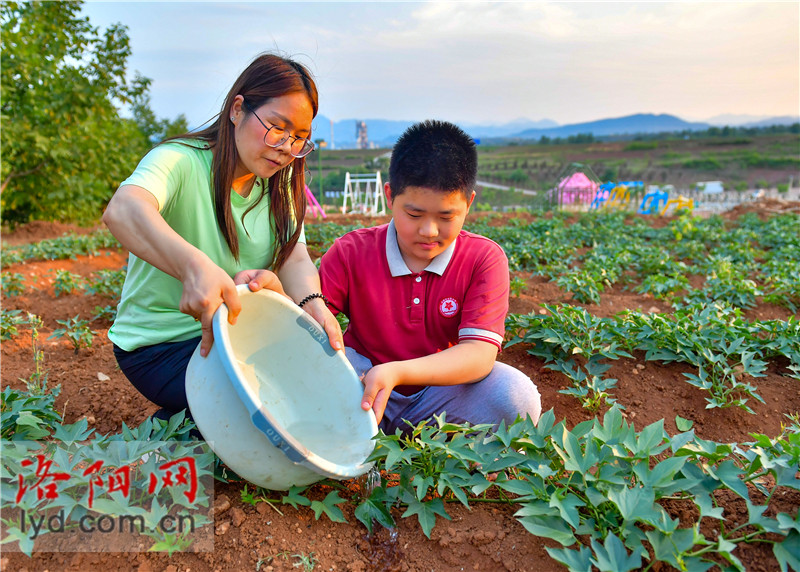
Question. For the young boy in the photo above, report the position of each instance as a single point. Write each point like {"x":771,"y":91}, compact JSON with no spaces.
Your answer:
{"x":427,"y":301}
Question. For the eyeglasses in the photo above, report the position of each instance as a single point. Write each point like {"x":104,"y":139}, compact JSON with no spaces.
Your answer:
{"x":277,"y":136}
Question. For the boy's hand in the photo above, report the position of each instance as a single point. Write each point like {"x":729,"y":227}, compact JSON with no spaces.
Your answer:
{"x":379,"y":382}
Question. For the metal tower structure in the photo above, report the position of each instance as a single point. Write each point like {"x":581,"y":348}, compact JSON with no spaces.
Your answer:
{"x":361,"y":135}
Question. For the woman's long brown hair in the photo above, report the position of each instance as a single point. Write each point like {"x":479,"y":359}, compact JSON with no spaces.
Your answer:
{"x":267,"y":77}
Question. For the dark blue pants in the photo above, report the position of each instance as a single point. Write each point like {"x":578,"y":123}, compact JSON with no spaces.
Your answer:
{"x":159,"y":373}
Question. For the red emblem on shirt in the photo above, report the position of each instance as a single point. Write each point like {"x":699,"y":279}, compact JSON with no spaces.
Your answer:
{"x":448,"y":307}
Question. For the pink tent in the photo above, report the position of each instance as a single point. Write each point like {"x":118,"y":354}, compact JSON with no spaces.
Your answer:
{"x":577,"y":188}
{"x":577,"y":182}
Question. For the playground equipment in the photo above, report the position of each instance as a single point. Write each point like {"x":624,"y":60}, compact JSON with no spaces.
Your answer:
{"x":620,"y":197}
{"x":601,"y":196}
{"x":616,"y":196}
{"x":680,"y":203}
{"x":365,"y":192}
{"x":313,"y":208}
{"x":653,"y":202}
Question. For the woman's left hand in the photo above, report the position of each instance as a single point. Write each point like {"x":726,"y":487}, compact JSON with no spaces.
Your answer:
{"x":259,"y":279}
{"x":317,"y":309}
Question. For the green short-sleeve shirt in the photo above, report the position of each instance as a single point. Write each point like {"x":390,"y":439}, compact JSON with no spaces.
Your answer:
{"x":179,"y":177}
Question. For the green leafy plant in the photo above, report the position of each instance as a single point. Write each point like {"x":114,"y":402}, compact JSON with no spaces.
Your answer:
{"x":517,"y":285}
{"x":13,"y":283}
{"x":305,"y":561}
{"x":67,"y":246}
{"x":568,"y":331}
{"x":343,"y":321}
{"x":65,"y":282}
{"x":27,"y":416}
{"x":711,"y":337}
{"x":107,"y":283}
{"x":104,"y":313}
{"x":663,"y":286}
{"x":77,"y":331}
{"x":37,"y":381}
{"x":155,"y":442}
{"x":595,"y":489}
{"x":9,"y":320}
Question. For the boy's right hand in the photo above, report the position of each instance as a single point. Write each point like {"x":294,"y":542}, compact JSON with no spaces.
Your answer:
{"x":379,"y":382}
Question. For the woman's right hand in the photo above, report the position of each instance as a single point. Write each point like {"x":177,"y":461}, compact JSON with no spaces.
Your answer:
{"x":133,"y":218}
{"x":205,"y":287}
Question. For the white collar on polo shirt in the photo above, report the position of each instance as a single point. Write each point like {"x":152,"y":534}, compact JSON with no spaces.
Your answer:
{"x":398,"y":266}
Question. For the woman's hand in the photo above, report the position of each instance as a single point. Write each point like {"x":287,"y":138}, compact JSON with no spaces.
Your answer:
{"x":379,"y":382}
{"x":260,"y":279}
{"x":300,"y":278}
{"x":133,"y":218}
{"x":317,"y":309}
{"x":205,"y":287}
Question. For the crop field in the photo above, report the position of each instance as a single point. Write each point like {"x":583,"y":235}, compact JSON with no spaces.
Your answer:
{"x":666,"y":351}
{"x":742,"y":163}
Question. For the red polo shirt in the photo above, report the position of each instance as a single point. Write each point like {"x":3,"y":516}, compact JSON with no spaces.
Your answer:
{"x":396,"y":314}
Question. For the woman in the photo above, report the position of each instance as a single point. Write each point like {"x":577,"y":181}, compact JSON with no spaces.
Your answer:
{"x":206,"y":211}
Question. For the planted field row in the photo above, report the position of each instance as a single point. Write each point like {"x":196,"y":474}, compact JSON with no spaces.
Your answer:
{"x":726,"y":349}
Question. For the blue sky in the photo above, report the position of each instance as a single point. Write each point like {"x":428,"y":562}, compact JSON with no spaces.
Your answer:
{"x":477,"y":62}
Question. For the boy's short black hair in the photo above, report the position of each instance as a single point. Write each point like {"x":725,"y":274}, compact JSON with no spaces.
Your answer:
{"x":435,"y":155}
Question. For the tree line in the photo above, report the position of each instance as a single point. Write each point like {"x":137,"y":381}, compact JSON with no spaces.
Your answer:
{"x":65,"y":144}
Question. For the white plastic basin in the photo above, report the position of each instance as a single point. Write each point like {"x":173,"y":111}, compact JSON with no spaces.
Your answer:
{"x":274,"y":401}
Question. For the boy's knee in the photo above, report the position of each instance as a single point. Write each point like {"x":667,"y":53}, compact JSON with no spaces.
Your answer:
{"x":519,"y":395}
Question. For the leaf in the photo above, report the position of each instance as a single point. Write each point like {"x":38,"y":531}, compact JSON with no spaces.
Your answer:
{"x":576,"y":560}
{"x":549,"y":527}
{"x":421,"y":485}
{"x":788,"y":552}
{"x":516,"y":486}
{"x":74,"y":432}
{"x":328,"y":506}
{"x":426,"y":513}
{"x":612,"y":555}
{"x":294,"y":497}
{"x":682,"y":424}
{"x":664,"y":472}
{"x":787,"y":523}
{"x":394,"y":454}
{"x":668,"y":547}
{"x":635,"y":503}
{"x":568,"y":508}
{"x":375,"y":509}
{"x":728,"y":473}
{"x":704,"y":503}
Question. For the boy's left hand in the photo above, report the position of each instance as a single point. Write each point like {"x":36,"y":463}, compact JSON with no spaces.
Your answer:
{"x":379,"y":382}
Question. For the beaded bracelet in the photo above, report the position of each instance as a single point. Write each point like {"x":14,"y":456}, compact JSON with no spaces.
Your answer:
{"x":311,"y":297}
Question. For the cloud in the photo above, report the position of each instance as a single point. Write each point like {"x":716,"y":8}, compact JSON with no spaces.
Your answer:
{"x":480,"y":61}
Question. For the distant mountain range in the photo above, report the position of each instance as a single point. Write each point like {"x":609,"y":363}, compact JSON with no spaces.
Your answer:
{"x":384,"y":132}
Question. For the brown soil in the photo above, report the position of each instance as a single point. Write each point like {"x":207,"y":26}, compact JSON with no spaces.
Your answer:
{"x":487,"y":537}
{"x":764,"y":207}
